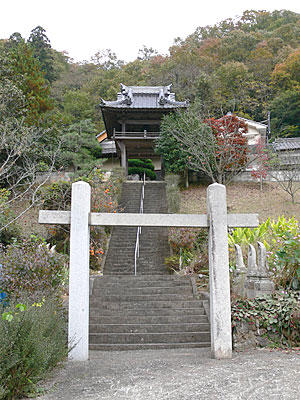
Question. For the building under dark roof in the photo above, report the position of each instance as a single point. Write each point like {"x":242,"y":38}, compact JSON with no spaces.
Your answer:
{"x":288,"y":151}
{"x":133,"y":120}
{"x":286,"y":144}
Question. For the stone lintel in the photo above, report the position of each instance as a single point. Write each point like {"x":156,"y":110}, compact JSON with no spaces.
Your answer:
{"x":172,"y":220}
{"x":54,"y":217}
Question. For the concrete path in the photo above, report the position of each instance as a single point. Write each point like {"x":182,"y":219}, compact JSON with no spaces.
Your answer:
{"x":178,"y":375}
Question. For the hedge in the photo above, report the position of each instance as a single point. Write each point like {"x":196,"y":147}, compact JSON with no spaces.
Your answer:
{"x":140,"y":171}
{"x":141,"y":163}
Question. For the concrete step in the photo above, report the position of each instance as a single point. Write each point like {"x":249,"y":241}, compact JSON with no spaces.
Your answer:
{"x":138,"y":284}
{"x":136,"y":338}
{"x":98,"y":311}
{"x":146,"y":304}
{"x":141,"y":291}
{"x":148,"y":346}
{"x":141,"y":298}
{"x":148,"y":319}
{"x":148,"y":328}
{"x":138,"y":279}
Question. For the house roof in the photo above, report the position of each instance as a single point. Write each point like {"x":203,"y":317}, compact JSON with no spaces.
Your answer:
{"x":286,"y":144}
{"x":108,"y":147}
{"x":101,"y":136}
{"x":144,"y":97}
{"x":254,"y":124}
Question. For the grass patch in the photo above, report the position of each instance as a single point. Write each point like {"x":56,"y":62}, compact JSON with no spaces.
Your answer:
{"x":245,"y":197}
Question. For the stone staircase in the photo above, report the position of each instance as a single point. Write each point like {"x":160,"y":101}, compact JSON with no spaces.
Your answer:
{"x":154,"y":245}
{"x":120,"y":254}
{"x":146,"y":312}
{"x":152,"y":310}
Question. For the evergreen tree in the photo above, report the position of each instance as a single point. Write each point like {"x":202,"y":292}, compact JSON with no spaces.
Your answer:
{"x":41,"y":47}
{"x":24,"y":71}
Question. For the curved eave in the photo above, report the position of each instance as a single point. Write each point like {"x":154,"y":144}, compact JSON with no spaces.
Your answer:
{"x":139,"y":109}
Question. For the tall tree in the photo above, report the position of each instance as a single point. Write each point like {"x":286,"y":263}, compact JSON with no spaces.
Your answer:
{"x":22,"y":68}
{"x":215,"y":147}
{"x":41,"y":47}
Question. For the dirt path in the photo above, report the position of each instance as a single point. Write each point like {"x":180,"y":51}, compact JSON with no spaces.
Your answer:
{"x":178,"y":375}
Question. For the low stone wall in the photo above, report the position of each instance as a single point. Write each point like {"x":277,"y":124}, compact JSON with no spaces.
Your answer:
{"x":55,"y":177}
{"x":246,"y":336}
{"x":271,"y":177}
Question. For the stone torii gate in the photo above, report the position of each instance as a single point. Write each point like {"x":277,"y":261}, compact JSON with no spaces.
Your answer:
{"x":217,"y":221}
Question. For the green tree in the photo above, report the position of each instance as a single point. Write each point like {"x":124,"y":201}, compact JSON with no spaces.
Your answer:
{"x":80,"y":149}
{"x":285,"y":114}
{"x":20,"y":66}
{"x":41,"y":47}
{"x":215,"y":147}
{"x":286,"y":75}
{"x":78,"y":105}
{"x":23,"y":149}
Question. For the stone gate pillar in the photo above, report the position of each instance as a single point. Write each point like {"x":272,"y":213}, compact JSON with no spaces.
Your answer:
{"x":219,"y":283}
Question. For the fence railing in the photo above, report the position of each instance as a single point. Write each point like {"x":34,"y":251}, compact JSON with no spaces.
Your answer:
{"x":135,"y":135}
{"x":139,"y":229}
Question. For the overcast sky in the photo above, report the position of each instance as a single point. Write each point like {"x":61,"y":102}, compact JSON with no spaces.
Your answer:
{"x":83,"y":27}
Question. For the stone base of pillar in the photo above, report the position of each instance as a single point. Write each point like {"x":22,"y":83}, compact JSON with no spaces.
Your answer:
{"x":258,"y":286}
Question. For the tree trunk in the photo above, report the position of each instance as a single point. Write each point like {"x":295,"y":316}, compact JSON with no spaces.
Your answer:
{"x":186,"y":176}
{"x":261,"y":183}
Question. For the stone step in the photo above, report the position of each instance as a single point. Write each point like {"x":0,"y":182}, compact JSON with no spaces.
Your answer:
{"x":141,"y":291}
{"x":146,"y":304}
{"x":138,"y":284}
{"x":136,"y":338}
{"x":138,"y":279}
{"x":148,"y":346}
{"x":148,"y":319}
{"x":98,"y":311}
{"x":148,"y":328}
{"x":141,"y":298}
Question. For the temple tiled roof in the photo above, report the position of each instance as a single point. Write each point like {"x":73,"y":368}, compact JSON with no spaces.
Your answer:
{"x":144,"y":97}
{"x":286,"y":144}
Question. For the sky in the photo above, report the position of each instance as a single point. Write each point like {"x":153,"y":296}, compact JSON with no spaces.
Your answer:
{"x":84,"y":27}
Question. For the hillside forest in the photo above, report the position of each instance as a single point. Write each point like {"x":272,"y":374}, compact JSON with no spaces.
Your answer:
{"x":249,"y":65}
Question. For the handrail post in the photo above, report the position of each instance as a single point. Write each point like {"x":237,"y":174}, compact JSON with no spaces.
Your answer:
{"x":139,"y":229}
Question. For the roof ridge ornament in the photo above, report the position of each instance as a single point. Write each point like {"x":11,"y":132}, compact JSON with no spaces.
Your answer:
{"x":127,"y":95}
{"x":167,"y":90}
{"x":164,"y":94}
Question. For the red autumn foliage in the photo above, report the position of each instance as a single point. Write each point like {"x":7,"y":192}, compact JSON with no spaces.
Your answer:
{"x":262,"y":167}
{"x":232,"y":145}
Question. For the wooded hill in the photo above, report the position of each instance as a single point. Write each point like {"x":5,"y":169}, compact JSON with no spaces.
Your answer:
{"x":249,"y":65}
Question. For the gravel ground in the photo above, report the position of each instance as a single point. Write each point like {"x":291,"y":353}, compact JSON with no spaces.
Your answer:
{"x":178,"y":374}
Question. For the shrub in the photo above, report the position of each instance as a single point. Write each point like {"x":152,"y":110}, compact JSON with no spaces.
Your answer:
{"x":56,"y":196}
{"x":105,"y":195}
{"x":11,"y":232}
{"x":140,"y":171}
{"x":183,"y":238}
{"x":30,"y":267}
{"x":282,"y":241}
{"x":33,"y":340}
{"x":277,"y":315}
{"x":191,"y":244}
{"x":141,"y":163}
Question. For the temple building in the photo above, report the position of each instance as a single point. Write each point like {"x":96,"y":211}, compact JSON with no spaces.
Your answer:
{"x":132,"y":122}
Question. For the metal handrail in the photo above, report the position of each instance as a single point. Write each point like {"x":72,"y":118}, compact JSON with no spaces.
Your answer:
{"x":139,"y":229}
